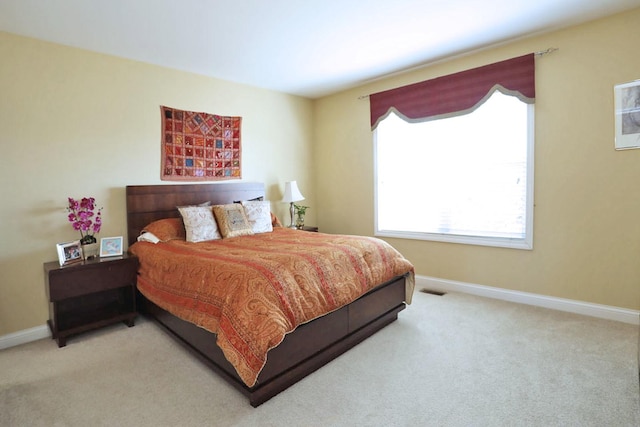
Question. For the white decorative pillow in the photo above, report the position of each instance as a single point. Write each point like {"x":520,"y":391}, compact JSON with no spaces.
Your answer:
{"x":259,"y":215}
{"x":232,"y":220}
{"x":199,"y":223}
{"x":148,"y":237}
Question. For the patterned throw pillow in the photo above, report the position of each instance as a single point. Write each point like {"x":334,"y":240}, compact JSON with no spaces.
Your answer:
{"x":232,"y":220}
{"x":259,"y":216}
{"x":167,"y":229}
{"x":275,"y":222}
{"x":199,"y":223}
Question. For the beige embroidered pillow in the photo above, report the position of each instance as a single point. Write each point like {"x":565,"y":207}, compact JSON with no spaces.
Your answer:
{"x":258,"y":215}
{"x":232,"y":221}
{"x":199,"y":223}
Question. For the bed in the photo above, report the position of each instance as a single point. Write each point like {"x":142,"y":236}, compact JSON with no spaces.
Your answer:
{"x":303,"y":349}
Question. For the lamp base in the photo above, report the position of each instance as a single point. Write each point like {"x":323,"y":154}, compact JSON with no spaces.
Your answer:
{"x":291,"y":224}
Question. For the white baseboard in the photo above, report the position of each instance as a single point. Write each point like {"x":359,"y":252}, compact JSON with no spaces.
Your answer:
{"x":561,"y":304}
{"x":24,"y":336}
{"x":442,"y":285}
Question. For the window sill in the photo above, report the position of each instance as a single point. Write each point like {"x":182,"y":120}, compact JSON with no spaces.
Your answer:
{"x":511,"y":243}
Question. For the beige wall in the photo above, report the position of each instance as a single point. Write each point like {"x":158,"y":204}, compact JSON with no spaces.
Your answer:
{"x":75,"y":123}
{"x":587,"y":201}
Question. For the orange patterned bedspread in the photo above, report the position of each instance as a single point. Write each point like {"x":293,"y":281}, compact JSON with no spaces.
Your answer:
{"x":253,"y":290}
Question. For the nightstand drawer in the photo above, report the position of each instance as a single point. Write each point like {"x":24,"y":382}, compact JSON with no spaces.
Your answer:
{"x":91,"y":277}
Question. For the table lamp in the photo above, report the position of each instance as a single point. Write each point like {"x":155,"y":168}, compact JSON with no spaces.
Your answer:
{"x":291,"y":194}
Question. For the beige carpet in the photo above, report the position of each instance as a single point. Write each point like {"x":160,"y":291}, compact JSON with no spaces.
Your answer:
{"x":456,"y":360}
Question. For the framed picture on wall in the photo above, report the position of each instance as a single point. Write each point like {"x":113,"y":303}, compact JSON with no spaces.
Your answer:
{"x":627,"y":115}
{"x":111,"y":246}
{"x":69,"y":253}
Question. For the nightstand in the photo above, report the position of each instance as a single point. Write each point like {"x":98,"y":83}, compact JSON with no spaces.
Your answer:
{"x":90,"y":295}
{"x":307,"y":228}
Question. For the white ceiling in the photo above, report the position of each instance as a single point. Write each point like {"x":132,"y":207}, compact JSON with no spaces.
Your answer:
{"x":303,"y":47}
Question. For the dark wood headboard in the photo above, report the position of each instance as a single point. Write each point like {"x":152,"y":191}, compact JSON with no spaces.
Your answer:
{"x":147,"y":203}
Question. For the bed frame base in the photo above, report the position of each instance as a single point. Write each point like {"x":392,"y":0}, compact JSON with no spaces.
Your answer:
{"x":300,"y":344}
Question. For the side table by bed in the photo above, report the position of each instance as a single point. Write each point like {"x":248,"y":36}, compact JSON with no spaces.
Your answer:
{"x":90,"y":295}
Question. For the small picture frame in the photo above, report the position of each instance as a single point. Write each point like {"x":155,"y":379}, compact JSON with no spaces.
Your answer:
{"x":111,"y":246}
{"x":627,"y":115}
{"x":69,"y":253}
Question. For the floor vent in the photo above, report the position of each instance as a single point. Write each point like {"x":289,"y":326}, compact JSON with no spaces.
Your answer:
{"x":432,"y":292}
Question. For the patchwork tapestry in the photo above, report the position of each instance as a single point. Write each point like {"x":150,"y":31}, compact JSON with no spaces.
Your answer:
{"x":199,"y":146}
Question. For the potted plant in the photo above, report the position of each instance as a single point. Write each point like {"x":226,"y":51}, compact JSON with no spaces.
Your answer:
{"x":85,"y":218}
{"x":300,"y":212}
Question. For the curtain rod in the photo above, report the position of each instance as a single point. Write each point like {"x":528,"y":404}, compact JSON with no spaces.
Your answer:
{"x":546,"y":51}
{"x":538,"y":53}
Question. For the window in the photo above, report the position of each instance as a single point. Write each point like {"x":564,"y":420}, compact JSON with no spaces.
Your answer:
{"x":464,"y":179}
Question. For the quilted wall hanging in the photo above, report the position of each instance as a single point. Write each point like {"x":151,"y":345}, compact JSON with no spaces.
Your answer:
{"x":200,"y":146}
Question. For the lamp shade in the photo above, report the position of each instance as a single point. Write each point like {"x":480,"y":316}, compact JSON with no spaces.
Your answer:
{"x":291,"y":192}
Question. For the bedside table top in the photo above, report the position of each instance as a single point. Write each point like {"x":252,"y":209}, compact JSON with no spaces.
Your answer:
{"x":55,"y":265}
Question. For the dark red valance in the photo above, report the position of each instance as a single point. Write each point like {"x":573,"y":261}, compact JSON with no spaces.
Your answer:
{"x":459,"y":92}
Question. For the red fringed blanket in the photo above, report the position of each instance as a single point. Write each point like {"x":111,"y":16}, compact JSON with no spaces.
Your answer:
{"x":253,"y":290}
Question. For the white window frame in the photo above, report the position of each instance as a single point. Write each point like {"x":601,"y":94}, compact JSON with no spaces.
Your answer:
{"x":525,"y":243}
